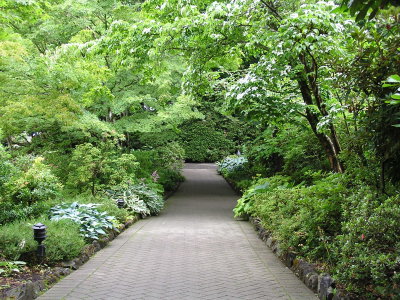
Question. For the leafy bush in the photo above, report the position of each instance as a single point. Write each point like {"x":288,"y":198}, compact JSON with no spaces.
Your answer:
{"x":236,"y":170}
{"x":15,"y":239}
{"x":345,"y":226}
{"x":36,"y":183}
{"x":169,"y":178}
{"x":132,"y":201}
{"x":92,"y":166}
{"x":368,"y":250}
{"x":245,"y":203}
{"x":153,"y":200}
{"x":304,"y":219}
{"x":164,"y":163}
{"x":92,"y":223}
{"x":291,"y":150}
{"x":109,"y":207}
{"x":63,"y":241}
{"x":7,"y":170}
{"x":10,"y":212}
{"x":231,"y":164}
{"x":171,"y":156}
{"x":202,"y":142}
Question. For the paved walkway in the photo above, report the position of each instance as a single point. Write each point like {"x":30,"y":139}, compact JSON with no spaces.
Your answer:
{"x":193,"y":250}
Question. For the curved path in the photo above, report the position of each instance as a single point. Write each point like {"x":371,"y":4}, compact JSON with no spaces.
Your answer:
{"x":193,"y":250}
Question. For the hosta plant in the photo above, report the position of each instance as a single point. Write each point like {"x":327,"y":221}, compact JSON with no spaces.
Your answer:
{"x":132,"y":201}
{"x":93,"y":223}
{"x":232,"y":163}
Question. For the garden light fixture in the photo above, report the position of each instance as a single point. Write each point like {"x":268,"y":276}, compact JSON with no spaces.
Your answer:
{"x":120,"y":203}
{"x":39,"y":235}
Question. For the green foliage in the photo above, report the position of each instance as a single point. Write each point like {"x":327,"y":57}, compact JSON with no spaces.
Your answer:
{"x":8,"y":268}
{"x":15,"y":239}
{"x":231,"y":164}
{"x":245,"y":203}
{"x":92,"y":223}
{"x":91,"y":166}
{"x":34,"y":183}
{"x":7,"y":170}
{"x":107,"y":205}
{"x":368,"y":248}
{"x":153,"y":200}
{"x":85,"y":88}
{"x":290,"y":150}
{"x":236,"y":170}
{"x":63,"y":240}
{"x":203,"y":142}
{"x":10,"y":212}
{"x":164,"y":164}
{"x":169,"y":178}
{"x":360,"y":8}
{"x":132,"y":201}
{"x":340,"y":223}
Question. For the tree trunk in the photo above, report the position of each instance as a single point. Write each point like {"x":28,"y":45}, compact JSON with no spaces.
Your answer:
{"x":329,"y":143}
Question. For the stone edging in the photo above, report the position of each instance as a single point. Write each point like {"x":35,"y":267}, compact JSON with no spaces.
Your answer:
{"x":32,"y":289}
{"x":321,"y":284}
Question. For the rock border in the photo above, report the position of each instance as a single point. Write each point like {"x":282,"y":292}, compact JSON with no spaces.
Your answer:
{"x":321,"y":284}
{"x":32,"y":289}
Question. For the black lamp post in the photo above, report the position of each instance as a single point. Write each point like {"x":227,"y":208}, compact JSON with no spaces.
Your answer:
{"x":39,"y":234}
{"x":120,"y":203}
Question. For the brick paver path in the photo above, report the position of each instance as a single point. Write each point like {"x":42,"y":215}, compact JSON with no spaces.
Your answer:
{"x":193,"y":250}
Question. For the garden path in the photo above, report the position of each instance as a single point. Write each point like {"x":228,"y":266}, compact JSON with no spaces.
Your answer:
{"x":193,"y":250}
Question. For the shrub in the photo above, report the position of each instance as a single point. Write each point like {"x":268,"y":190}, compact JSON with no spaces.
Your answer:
{"x":163,"y":164}
{"x":10,"y":212}
{"x":236,"y":170}
{"x":92,"y":167}
{"x":62,"y":243}
{"x":92,"y":223}
{"x":7,"y":170}
{"x":304,"y":219}
{"x":153,"y":200}
{"x":169,"y":178}
{"x":291,"y":150}
{"x":132,"y":201}
{"x":63,"y":240}
{"x":232,"y":164}
{"x":147,"y":161}
{"x":108,"y":206}
{"x":171,"y":156}
{"x":15,"y":239}
{"x":245,"y":203}
{"x":368,"y":250}
{"x":202,"y":142}
{"x":35,"y":184}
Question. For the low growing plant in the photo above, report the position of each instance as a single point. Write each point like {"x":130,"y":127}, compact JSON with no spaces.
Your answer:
{"x":92,"y":223}
{"x":153,"y":200}
{"x":15,"y":239}
{"x":132,"y":201}
{"x":8,"y":268}
{"x":232,"y":163}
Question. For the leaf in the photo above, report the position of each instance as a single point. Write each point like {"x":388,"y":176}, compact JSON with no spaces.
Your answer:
{"x":394,"y":78}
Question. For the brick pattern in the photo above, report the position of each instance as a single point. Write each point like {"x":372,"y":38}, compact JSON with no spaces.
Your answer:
{"x":193,"y":250}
